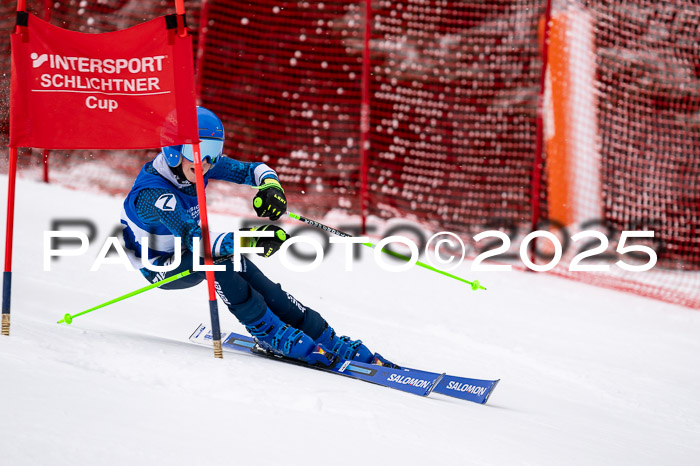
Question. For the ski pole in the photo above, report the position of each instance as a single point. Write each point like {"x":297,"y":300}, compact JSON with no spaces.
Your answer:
{"x":68,"y":318}
{"x":474,"y":284}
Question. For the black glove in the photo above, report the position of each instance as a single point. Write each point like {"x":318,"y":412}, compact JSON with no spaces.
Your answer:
{"x":271,"y":245}
{"x":270,"y":200}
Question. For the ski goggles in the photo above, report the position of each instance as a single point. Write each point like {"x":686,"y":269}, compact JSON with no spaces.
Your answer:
{"x":208,"y":148}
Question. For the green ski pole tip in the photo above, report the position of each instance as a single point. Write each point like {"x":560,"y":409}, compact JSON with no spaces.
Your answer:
{"x":68,"y":319}
{"x":475,"y":285}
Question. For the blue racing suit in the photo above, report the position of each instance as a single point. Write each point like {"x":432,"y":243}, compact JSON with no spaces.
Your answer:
{"x":160,"y":207}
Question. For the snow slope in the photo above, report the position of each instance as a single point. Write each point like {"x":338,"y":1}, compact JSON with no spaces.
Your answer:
{"x":588,"y":376}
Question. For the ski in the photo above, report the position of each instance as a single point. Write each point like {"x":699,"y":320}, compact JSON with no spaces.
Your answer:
{"x":412,"y":381}
{"x":474,"y":390}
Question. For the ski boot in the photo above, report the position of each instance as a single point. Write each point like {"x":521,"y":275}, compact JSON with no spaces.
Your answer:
{"x":282,"y":339}
{"x":346,"y":348}
{"x":380,"y":360}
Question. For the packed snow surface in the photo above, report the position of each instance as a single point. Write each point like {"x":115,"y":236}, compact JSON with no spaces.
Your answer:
{"x":588,"y":376}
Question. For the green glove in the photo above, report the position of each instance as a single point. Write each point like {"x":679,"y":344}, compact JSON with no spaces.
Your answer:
{"x":270,"y":200}
{"x":271,"y":245}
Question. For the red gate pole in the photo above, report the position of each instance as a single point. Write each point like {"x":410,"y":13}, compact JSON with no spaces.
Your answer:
{"x":202,"y":201}
{"x":9,"y":228}
{"x":9,"y":225}
{"x":364,"y":117}
{"x":180,"y":11}
{"x":537,"y":167}
{"x":45,"y":152}
{"x":45,"y":163}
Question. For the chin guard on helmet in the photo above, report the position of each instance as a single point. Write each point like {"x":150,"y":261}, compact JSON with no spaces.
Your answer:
{"x":211,"y":141}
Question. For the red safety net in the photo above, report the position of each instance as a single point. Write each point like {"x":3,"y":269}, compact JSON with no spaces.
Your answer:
{"x":649,"y":123}
{"x":289,"y":87}
{"x":634,"y":139}
{"x":454,"y":99}
{"x":453,"y":95}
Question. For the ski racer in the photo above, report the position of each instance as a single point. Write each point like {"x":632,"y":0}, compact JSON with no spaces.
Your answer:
{"x":162,"y":205}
